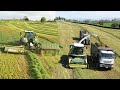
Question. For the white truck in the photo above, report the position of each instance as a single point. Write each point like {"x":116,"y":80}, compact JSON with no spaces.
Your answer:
{"x":103,"y":56}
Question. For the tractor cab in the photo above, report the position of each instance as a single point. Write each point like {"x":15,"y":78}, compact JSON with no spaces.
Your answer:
{"x":29,"y":38}
{"x":29,"y":35}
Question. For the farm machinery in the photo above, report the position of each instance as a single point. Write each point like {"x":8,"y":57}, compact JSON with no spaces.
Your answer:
{"x":77,"y":56}
{"x":29,"y":41}
{"x":102,"y":55}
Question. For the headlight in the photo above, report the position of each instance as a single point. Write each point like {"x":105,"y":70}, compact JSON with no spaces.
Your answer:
{"x":70,"y":59}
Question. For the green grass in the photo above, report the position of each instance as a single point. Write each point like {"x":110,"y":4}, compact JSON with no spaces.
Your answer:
{"x":36,"y":68}
{"x":105,"y":37}
{"x":10,"y":33}
{"x":107,"y":24}
{"x":13,"y":67}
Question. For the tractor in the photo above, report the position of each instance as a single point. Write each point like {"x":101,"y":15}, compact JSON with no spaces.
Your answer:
{"x":29,"y":39}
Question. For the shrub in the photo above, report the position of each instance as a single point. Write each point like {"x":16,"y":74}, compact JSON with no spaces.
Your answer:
{"x":26,"y":18}
{"x":115,"y":25}
{"x":43,"y":19}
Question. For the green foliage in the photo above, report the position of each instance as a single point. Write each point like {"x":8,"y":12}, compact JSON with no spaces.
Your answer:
{"x":43,"y":19}
{"x":115,"y":25}
{"x":26,"y":18}
{"x":101,"y":22}
{"x":37,"y":70}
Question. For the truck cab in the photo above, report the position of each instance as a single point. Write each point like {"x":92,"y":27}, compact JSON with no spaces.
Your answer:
{"x":106,"y":59}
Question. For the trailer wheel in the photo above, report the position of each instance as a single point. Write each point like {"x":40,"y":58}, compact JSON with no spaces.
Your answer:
{"x":97,"y":65}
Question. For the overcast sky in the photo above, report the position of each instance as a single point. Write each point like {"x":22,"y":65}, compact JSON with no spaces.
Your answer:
{"x":36,"y":15}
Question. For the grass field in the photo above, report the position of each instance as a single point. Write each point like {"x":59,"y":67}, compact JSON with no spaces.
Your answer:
{"x":10,"y":35}
{"x":13,"y":67}
{"x":38,"y":66}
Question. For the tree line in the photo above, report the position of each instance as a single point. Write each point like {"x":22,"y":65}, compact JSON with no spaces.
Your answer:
{"x":43,"y":19}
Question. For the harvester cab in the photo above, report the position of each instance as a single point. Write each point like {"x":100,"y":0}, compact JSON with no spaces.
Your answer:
{"x":77,"y":56}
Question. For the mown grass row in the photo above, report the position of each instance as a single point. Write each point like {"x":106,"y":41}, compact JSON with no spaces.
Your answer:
{"x":13,"y":67}
{"x":37,"y":70}
{"x":38,"y":28}
{"x":114,"y":33}
{"x":18,"y":26}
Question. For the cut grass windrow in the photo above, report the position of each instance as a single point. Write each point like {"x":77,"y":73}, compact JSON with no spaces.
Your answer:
{"x":37,"y":70}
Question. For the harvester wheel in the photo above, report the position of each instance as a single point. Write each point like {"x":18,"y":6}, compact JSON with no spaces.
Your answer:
{"x":68,"y":67}
{"x":88,"y":66}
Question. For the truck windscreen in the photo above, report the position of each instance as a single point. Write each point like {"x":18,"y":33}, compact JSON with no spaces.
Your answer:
{"x":108,"y":56}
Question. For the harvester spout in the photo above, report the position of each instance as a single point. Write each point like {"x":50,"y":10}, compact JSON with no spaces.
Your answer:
{"x":84,"y":38}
